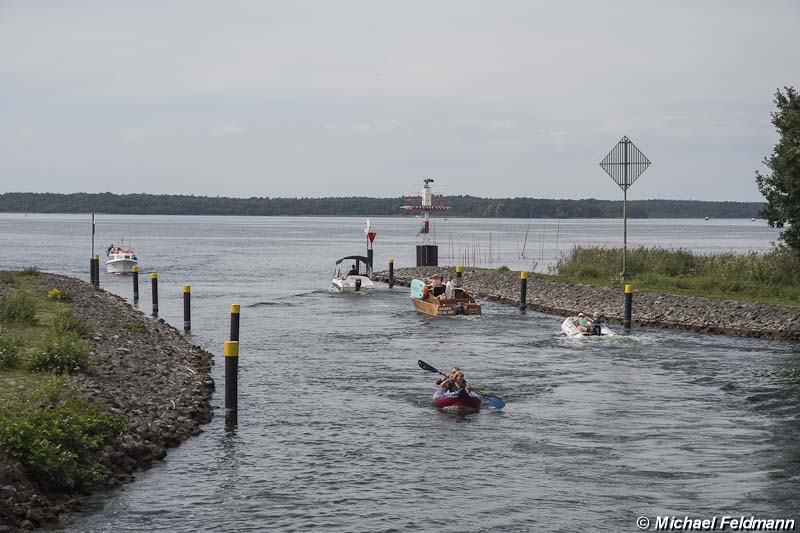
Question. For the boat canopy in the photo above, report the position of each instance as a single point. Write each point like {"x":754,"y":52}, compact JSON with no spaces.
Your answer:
{"x":360,"y":258}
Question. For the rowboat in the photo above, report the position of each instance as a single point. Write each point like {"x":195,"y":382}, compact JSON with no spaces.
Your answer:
{"x":456,"y":401}
{"x":457,"y":302}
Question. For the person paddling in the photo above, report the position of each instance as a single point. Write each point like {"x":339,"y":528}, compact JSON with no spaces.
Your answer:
{"x":456,"y":383}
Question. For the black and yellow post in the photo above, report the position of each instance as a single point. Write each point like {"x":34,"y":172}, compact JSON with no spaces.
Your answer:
{"x":154,"y":283}
{"x":91,"y":270}
{"x":391,"y":273}
{"x":235,"y":322}
{"x":231,"y":352}
{"x":459,"y":270}
{"x":96,"y":270}
{"x":187,"y":308}
{"x":135,"y":283}
{"x":523,"y":290}
{"x":626,"y":323}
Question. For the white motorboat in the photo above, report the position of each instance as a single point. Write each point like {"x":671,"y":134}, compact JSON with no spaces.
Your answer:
{"x":354,"y":278}
{"x":569,"y":329}
{"x":120,"y":260}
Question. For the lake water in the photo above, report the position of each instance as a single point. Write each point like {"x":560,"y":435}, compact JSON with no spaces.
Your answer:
{"x":336,"y":430}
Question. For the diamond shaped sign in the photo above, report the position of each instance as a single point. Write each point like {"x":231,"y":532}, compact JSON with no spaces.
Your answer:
{"x":625,"y":163}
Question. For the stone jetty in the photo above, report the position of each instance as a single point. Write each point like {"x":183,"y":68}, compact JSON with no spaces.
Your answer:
{"x":650,"y":309}
{"x":140,"y":368}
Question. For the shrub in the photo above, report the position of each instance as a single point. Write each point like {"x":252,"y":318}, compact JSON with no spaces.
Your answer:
{"x":7,"y":278}
{"x":58,"y":294}
{"x":30,"y":271}
{"x":503,"y":268}
{"x":18,"y":306}
{"x":65,"y":321}
{"x":9,"y":351}
{"x":62,"y":354}
{"x":55,"y":434}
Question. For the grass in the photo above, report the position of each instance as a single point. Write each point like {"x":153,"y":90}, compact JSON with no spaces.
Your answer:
{"x":772,"y":277}
{"x":46,"y":424}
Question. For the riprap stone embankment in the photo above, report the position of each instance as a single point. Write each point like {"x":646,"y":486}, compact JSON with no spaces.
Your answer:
{"x":140,"y":368}
{"x":650,"y":309}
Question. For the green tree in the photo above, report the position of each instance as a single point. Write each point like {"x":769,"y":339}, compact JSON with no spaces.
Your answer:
{"x":782,"y":188}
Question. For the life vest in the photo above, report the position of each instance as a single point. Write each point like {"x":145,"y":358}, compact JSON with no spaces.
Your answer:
{"x":424,"y":292}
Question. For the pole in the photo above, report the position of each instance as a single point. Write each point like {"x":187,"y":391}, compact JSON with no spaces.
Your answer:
{"x":92,"y":234}
{"x":235,"y":322}
{"x":187,"y":308}
{"x":135,"y":283}
{"x":523,"y":290}
{"x":625,"y":215}
{"x":391,"y":273}
{"x":154,"y":283}
{"x":97,"y":270}
{"x":459,"y":269}
{"x":91,"y":270}
{"x":628,"y":307}
{"x":231,"y":353}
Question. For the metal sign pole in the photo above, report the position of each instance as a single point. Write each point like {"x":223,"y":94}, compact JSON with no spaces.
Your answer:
{"x":617,"y":164}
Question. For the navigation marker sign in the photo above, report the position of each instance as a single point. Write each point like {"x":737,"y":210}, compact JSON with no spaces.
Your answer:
{"x":625,"y":163}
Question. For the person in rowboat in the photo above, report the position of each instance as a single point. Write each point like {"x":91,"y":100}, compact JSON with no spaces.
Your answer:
{"x":581,"y":322}
{"x":596,"y":327}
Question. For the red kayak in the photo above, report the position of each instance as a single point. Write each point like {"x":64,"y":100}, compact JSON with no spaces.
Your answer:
{"x":455,"y":401}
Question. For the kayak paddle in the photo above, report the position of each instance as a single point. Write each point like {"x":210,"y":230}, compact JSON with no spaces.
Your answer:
{"x":494,"y":400}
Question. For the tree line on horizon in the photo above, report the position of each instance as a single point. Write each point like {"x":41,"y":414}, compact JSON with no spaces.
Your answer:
{"x":460,"y":206}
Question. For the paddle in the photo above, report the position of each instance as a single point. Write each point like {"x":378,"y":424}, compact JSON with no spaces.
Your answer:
{"x":494,"y":400}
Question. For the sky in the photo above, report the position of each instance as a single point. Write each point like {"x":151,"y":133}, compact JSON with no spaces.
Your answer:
{"x":365,"y":98}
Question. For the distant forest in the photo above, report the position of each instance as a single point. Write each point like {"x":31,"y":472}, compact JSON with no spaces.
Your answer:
{"x":460,"y":206}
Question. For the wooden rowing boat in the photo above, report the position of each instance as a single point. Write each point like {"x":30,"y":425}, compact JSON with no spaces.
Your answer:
{"x":462,"y":303}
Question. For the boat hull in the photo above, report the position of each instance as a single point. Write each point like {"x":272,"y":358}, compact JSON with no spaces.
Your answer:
{"x":453,"y":402}
{"x":120,"y":266}
{"x":348,"y":284}
{"x":571,"y":330}
{"x":436,"y":307}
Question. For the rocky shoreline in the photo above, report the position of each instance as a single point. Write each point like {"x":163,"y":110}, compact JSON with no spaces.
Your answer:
{"x":140,"y":368}
{"x":650,"y":309}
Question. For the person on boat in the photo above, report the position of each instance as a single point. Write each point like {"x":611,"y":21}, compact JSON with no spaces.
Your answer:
{"x":581,"y":322}
{"x":110,"y":248}
{"x":457,"y":383}
{"x":353,"y":271}
{"x":596,"y":327}
{"x":447,"y":377}
{"x":449,"y":289}
{"x":437,"y":286}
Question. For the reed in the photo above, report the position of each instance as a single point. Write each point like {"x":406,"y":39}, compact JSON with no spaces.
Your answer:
{"x":772,"y":277}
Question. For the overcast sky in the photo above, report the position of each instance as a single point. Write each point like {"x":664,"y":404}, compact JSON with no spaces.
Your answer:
{"x":324,"y":98}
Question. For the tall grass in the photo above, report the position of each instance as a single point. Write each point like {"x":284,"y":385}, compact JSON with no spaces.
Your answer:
{"x":772,"y":276}
{"x":18,"y":306}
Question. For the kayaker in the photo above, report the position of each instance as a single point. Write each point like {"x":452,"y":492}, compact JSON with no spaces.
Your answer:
{"x":457,"y":383}
{"x":441,"y":381}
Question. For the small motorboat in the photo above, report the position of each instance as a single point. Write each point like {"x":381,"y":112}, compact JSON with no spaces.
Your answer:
{"x":356,"y":278}
{"x":120,"y":260}
{"x":456,"y":401}
{"x":571,"y":330}
{"x":458,"y":302}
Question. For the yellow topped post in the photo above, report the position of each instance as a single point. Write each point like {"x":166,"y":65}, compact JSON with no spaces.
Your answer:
{"x":154,"y":286}
{"x":135,"y":268}
{"x":628,"y":289}
{"x":523,"y":275}
{"x":523,"y":290}
{"x":626,"y":322}
{"x":231,"y":349}
{"x":187,"y":308}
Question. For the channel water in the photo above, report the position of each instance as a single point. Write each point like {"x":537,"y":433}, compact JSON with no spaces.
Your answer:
{"x":336,"y":429}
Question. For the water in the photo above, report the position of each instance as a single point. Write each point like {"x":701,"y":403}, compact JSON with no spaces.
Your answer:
{"x":336,"y":428}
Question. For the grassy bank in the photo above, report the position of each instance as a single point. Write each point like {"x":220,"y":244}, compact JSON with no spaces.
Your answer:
{"x":772,"y":277}
{"x":45,"y":422}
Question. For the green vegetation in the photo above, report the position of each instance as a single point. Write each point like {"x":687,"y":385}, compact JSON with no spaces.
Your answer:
{"x":46,"y":424}
{"x":53,"y":431}
{"x":503,"y":268}
{"x":18,"y":306}
{"x":65,"y":322}
{"x":9,"y":351}
{"x":460,"y":206}
{"x":772,"y":277}
{"x":136,"y":327}
{"x":782,"y":188}
{"x":63,"y":354}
